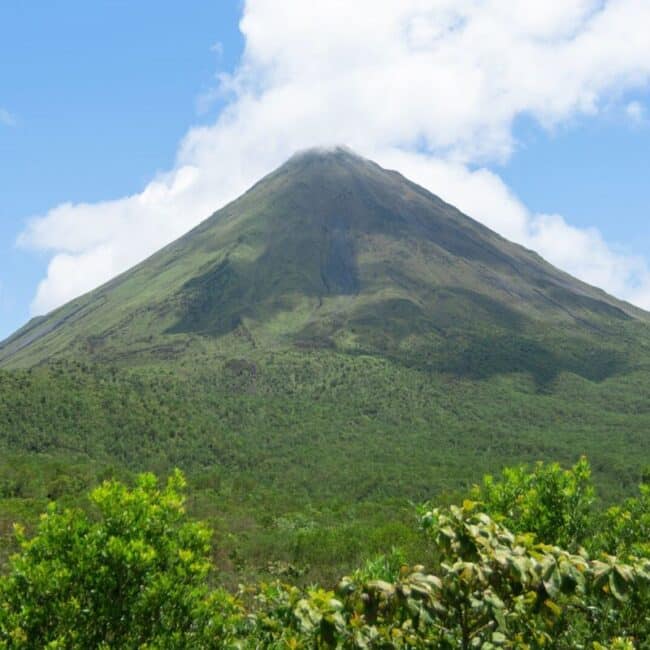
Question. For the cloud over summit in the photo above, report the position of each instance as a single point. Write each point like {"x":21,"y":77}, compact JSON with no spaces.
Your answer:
{"x":430,"y":87}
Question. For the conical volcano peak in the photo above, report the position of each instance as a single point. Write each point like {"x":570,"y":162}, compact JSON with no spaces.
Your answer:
{"x":328,"y":250}
{"x":330,"y":159}
{"x":333,"y":152}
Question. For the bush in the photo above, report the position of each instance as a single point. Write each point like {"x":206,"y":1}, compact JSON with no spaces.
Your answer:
{"x":133,"y":575}
{"x":552,"y":503}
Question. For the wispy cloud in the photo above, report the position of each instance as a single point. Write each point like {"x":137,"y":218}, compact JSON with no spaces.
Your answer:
{"x":635,"y":111}
{"x":429,"y":88}
{"x":7,"y":118}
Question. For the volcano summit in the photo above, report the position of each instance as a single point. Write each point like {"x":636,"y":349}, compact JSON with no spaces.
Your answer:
{"x":332,"y":251}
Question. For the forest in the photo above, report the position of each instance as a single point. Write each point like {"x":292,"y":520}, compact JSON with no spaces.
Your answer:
{"x":526,"y":560}
{"x":311,"y":464}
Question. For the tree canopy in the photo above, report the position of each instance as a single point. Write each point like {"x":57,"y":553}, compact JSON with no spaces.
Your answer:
{"x":526,"y":562}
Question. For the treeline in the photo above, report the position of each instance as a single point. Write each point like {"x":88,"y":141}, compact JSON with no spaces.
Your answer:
{"x":526,"y":561}
{"x":324,"y":423}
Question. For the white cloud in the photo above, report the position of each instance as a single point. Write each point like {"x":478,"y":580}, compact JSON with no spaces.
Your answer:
{"x":7,"y":118}
{"x":426,"y":86}
{"x":635,"y":111}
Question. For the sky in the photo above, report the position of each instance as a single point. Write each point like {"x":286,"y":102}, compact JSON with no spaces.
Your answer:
{"x":124,"y":124}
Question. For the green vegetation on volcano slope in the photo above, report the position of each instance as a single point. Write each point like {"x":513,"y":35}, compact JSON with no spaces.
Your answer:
{"x":325,"y":424}
{"x":332,"y":251}
{"x":331,"y":344}
{"x":306,"y":459}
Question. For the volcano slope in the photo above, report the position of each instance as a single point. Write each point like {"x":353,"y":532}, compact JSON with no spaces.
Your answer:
{"x":336,"y":335}
{"x":333,"y":252}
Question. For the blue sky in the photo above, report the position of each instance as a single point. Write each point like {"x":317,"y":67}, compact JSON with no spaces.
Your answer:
{"x":100,"y":93}
{"x":594,"y":171}
{"x":95,"y":99}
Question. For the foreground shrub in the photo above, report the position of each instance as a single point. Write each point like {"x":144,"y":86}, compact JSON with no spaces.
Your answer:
{"x":135,"y":575}
{"x":488,"y":589}
{"x":553,"y":503}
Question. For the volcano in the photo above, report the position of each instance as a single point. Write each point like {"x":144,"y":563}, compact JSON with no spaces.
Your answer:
{"x":331,"y":251}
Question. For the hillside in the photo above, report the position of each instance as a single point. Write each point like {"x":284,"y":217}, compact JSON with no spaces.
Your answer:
{"x":332,"y":251}
{"x":335,"y":342}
